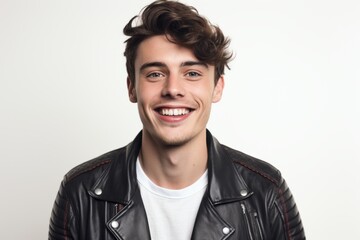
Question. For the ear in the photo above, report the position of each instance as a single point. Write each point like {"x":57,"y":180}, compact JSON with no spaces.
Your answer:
{"x":218,"y":90}
{"x":131,"y":91}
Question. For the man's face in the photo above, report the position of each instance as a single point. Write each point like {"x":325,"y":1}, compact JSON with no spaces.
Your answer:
{"x":173,"y":90}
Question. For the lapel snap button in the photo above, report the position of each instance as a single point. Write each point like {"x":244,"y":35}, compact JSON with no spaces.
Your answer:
{"x":98,"y":191}
{"x":226,"y":230}
{"x":114,"y":224}
{"x":243,"y":193}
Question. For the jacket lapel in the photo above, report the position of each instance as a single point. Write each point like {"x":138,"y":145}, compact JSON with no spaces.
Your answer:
{"x":225,"y":186}
{"x":131,"y":223}
{"x":209,"y":224}
{"x":118,"y":184}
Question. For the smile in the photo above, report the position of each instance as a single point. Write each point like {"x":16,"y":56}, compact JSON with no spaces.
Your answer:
{"x":173,"y":111}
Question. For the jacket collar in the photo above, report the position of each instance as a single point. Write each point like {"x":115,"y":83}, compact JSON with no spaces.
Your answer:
{"x":119,"y":183}
{"x":225,"y":184}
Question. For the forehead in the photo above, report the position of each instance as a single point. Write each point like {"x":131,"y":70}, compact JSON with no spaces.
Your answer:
{"x":160,"y":49}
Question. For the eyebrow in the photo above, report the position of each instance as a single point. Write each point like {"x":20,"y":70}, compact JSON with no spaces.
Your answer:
{"x":152,"y":64}
{"x":194,"y":63}
{"x":184,"y":64}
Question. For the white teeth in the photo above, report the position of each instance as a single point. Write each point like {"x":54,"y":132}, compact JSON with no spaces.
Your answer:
{"x":174,"y":111}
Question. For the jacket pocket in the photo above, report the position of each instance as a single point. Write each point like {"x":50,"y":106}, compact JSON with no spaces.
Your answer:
{"x":253,"y":223}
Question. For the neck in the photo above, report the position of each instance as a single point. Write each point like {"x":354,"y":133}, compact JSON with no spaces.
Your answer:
{"x":174,"y":166}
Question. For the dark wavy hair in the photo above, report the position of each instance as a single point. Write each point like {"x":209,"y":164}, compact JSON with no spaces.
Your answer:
{"x":183,"y":26}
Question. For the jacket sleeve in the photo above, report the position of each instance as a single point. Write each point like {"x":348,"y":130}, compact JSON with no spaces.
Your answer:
{"x":62,"y":220}
{"x":285,"y":218}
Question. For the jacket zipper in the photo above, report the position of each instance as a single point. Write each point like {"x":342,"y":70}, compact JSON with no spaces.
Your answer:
{"x":247,"y":221}
{"x":258,"y":225}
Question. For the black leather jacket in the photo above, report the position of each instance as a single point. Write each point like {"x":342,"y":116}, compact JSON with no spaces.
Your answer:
{"x":245,"y":199}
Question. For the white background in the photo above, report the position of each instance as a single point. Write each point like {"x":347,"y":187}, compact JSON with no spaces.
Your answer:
{"x":291,"y":98}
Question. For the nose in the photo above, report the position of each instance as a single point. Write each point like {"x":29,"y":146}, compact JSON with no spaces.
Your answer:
{"x":173,"y":87}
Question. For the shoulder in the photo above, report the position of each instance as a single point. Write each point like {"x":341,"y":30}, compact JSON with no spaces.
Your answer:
{"x":253,"y":167}
{"x":93,"y":167}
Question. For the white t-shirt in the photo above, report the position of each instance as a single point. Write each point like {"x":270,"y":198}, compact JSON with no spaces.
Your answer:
{"x":171,"y":213}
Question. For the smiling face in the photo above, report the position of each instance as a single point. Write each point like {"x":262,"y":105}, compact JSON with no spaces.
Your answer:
{"x":174,"y":92}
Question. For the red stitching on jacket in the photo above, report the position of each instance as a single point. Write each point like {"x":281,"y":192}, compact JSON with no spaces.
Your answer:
{"x":280,"y":192}
{"x":258,"y":172}
{"x":89,"y":169}
{"x":285,"y":213}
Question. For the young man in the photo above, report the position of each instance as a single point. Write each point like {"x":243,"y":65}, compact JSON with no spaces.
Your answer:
{"x":175,"y":180}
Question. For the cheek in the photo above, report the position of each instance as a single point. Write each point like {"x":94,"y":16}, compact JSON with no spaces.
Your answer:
{"x":143,"y":92}
{"x":204,"y":92}
{"x":146,"y":99}
{"x":204,"y":99}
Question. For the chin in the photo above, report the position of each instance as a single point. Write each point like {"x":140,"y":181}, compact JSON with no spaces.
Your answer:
{"x":174,"y":141}
{"x":174,"y":138}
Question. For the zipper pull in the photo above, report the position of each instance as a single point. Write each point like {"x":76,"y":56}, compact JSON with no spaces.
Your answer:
{"x":243,"y":208}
